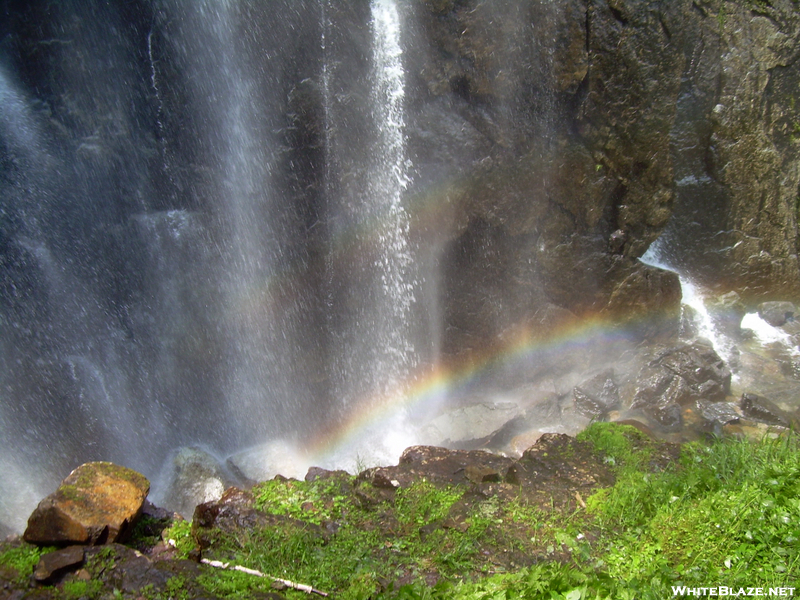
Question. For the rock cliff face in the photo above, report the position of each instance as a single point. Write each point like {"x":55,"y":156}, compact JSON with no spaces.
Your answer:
{"x":572,"y":104}
{"x":735,"y":147}
{"x":593,"y":126}
{"x":558,"y":138}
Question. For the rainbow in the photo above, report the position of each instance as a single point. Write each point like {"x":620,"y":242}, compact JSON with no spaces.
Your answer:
{"x":427,"y":393}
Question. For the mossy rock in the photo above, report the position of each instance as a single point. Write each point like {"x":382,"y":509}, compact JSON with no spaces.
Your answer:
{"x":97,"y":503}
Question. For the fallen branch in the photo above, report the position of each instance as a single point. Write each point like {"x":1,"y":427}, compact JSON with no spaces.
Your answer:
{"x":291,"y":584}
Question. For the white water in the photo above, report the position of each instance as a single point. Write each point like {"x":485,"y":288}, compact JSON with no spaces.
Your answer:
{"x":693,"y":298}
{"x":387,"y":185}
{"x":381,"y":352}
{"x":768,"y":334}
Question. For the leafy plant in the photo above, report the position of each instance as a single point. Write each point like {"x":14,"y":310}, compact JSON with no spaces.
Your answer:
{"x":424,"y":503}
{"x":180,"y":536}
{"x":80,"y":590}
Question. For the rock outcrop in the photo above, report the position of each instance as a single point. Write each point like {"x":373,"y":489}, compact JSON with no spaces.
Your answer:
{"x":677,"y":377}
{"x":596,"y":396}
{"x":764,"y":410}
{"x":587,"y":134}
{"x":570,"y":106}
{"x":96,"y":504}
{"x":736,"y":149}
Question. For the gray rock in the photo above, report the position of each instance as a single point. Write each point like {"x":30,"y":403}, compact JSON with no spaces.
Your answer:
{"x":715,"y":415}
{"x":597,"y":395}
{"x":777,"y":313}
{"x":195,"y":476}
{"x":468,"y":422}
{"x":727,"y":311}
{"x":526,"y":427}
{"x":668,"y":415}
{"x":761,"y":409}
{"x":678,"y":376}
{"x":55,"y":563}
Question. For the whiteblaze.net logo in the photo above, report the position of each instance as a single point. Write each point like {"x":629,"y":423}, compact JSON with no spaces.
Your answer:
{"x":680,"y":590}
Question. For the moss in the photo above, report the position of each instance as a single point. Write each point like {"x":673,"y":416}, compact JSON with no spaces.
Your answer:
{"x":80,"y":590}
{"x":22,"y":559}
{"x":86,"y":477}
{"x":124,"y":473}
{"x":619,"y":445}
{"x":71,"y":492}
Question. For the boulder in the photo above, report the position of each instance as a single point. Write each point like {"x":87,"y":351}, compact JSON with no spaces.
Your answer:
{"x":597,"y":395}
{"x":761,"y":409}
{"x":236,"y":511}
{"x":469,"y":422}
{"x":678,"y":376}
{"x":196,"y":477}
{"x":714,"y":416}
{"x":521,"y":432}
{"x":776,"y":313}
{"x":439,"y":466}
{"x":727,"y":311}
{"x":96,"y":504}
{"x":54,"y":563}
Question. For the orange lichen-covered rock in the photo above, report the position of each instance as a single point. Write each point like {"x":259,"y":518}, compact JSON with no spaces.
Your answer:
{"x":96,"y":504}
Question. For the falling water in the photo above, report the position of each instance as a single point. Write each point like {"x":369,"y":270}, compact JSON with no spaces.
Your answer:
{"x":696,"y":314}
{"x":693,"y":298}
{"x":381,"y":351}
{"x":62,"y":361}
{"x":387,"y":185}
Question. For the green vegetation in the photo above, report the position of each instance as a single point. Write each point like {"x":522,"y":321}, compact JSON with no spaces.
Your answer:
{"x":21,"y":560}
{"x":727,"y":513}
{"x":181,"y":534}
{"x":77,"y":589}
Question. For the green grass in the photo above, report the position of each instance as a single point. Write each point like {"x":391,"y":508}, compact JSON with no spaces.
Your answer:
{"x":726,"y":513}
{"x":22,"y":560}
{"x":79,"y":590}
{"x":313,"y":502}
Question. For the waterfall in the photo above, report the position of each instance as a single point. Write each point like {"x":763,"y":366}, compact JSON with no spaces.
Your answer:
{"x":694,"y":299}
{"x":388,"y":182}
{"x":373,"y":263}
{"x":222,"y":226}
